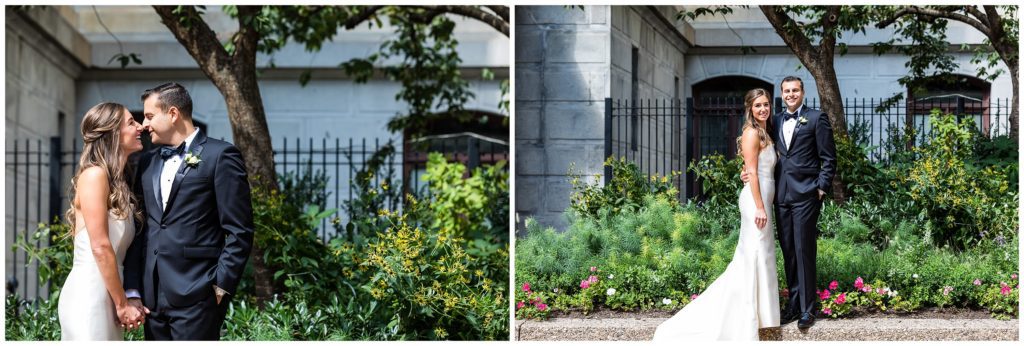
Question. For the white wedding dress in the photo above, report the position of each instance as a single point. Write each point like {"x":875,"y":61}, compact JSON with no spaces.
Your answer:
{"x":85,"y":309}
{"x":746,"y":296}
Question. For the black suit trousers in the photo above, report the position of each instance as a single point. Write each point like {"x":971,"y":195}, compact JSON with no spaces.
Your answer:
{"x":797,"y":225}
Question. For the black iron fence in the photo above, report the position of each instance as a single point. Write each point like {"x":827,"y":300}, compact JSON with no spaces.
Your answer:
{"x":663,"y":136}
{"x":38,"y":173}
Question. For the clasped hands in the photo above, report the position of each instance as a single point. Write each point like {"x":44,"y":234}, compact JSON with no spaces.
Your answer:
{"x":133,"y":314}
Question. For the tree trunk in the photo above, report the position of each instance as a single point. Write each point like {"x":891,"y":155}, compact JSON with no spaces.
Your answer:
{"x":832,"y":104}
{"x":1009,"y":55}
{"x":1014,"y":107}
{"x":819,"y":61}
{"x":235,"y":78}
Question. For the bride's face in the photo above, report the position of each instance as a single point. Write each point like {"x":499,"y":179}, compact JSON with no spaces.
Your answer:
{"x":761,"y":108}
{"x":131,"y":134}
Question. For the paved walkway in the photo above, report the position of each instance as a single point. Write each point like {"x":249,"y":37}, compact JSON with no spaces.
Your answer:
{"x":860,"y":329}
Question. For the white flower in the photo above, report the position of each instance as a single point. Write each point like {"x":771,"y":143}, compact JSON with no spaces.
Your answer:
{"x":802,"y":120}
{"x":556,"y":290}
{"x":610,"y":276}
{"x":914,"y":276}
{"x":610,"y":291}
{"x":666,"y":301}
{"x":192,"y":160}
{"x":891,"y":293}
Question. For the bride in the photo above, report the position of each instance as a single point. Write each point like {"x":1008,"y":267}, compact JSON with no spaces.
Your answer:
{"x":92,"y":304}
{"x":746,"y":296}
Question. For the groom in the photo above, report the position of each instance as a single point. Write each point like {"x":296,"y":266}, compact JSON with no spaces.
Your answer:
{"x":807,"y":162}
{"x":188,"y":256}
{"x":803,"y":173}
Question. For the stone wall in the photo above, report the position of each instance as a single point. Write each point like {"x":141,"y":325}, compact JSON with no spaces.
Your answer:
{"x":563,"y":75}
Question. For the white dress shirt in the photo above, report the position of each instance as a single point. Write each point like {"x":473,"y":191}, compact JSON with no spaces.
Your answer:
{"x":789,"y":126}
{"x":171,"y":166}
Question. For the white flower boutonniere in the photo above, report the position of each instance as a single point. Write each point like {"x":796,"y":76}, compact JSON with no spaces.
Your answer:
{"x":192,"y":160}
{"x":802,"y":120}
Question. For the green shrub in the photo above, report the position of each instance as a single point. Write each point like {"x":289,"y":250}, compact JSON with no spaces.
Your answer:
{"x":719,"y":178}
{"x":965,"y":204}
{"x":625,"y":192}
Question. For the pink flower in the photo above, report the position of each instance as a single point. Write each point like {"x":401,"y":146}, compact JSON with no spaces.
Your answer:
{"x":693,"y":297}
{"x":827,"y":311}
{"x":584,"y":284}
{"x":977,"y":282}
{"x":1004,"y":289}
{"x":526,"y":287}
{"x":592,"y":279}
{"x":593,"y":269}
{"x":542,"y":307}
{"x":841,"y":298}
{"x":824,"y":294}
{"x":520,"y":305}
{"x":1013,"y":276}
{"x":859,"y":283}
{"x":833,"y":285}
{"x":785,"y":292}
{"x":946,"y":290}
{"x":880,"y":291}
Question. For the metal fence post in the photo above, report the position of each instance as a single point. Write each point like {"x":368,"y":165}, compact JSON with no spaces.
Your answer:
{"x":607,"y":139}
{"x":474,"y":153}
{"x":688,"y":155}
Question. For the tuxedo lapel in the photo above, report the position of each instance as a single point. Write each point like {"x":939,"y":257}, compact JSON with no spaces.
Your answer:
{"x":156,"y":166}
{"x":184,"y":169}
{"x":783,"y":149}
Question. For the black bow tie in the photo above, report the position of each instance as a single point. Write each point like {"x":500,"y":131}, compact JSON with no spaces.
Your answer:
{"x":168,"y":151}
{"x":787,"y":116}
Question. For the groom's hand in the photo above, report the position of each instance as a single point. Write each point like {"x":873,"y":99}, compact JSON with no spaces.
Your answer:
{"x":220,"y":293}
{"x":130,"y":316}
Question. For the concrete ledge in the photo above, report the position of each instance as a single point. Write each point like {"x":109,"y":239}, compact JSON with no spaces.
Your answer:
{"x":854,"y":329}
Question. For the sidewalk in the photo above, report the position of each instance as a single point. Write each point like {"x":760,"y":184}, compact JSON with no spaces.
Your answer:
{"x":859,"y":329}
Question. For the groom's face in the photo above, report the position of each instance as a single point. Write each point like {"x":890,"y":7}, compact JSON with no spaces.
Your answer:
{"x":793,"y":94}
{"x":157,"y":122}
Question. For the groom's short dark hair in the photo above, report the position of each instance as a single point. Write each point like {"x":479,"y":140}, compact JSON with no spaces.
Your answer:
{"x":171,"y":95}
{"x":791,"y":79}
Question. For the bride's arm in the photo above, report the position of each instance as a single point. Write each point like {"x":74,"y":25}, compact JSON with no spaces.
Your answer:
{"x":751,"y":147}
{"x":93,"y":189}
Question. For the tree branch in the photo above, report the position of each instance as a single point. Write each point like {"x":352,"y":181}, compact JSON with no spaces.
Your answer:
{"x":974,"y":11}
{"x":501,"y":11}
{"x":914,"y":10}
{"x":364,"y":14}
{"x":198,"y":39}
{"x":247,"y":38}
{"x":474,"y":12}
{"x":828,"y":38}
{"x":787,"y":29}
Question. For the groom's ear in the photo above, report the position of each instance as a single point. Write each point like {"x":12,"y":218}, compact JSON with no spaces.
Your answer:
{"x":174,"y":113}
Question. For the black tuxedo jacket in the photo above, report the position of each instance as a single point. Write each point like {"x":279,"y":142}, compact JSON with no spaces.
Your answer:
{"x":809,"y":163}
{"x":204,"y":236}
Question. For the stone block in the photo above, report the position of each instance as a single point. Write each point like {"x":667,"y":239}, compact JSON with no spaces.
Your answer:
{"x":529,"y":44}
{"x":527,"y":119}
{"x":527,"y":82}
{"x":531,"y":158}
{"x":574,"y":120}
{"x":550,"y":15}
{"x":577,"y":46}
{"x":576,"y":82}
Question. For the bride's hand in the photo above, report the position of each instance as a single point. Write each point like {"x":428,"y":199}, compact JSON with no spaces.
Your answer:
{"x":130,"y":316}
{"x":745,"y":176}
{"x":760,"y":218}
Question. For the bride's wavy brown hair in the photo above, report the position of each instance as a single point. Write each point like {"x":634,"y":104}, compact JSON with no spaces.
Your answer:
{"x":101,"y":133}
{"x":750,"y":122}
